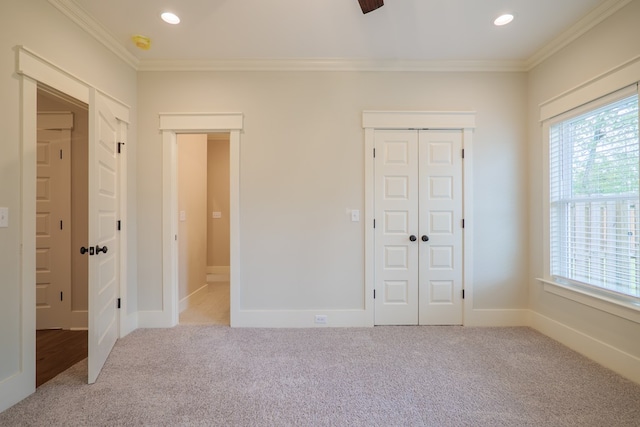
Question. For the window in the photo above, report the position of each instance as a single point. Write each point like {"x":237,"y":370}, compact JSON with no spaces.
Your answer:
{"x":593,"y":196}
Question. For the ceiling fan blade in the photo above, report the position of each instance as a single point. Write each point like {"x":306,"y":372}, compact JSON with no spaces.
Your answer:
{"x":370,"y":5}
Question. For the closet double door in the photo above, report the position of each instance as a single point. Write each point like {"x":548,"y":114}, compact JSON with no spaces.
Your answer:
{"x":418,"y":234}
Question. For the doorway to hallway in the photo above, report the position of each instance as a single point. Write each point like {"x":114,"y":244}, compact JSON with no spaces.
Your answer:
{"x":203,"y":228}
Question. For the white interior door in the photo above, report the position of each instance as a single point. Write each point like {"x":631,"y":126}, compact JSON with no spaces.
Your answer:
{"x":103,"y":216}
{"x":441,"y":227}
{"x":418,"y":234}
{"x":396,"y":215}
{"x":53,"y":227}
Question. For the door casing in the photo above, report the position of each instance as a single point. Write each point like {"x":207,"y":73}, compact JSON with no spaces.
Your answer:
{"x":427,"y":120}
{"x":33,"y":69}
{"x":172,"y":124}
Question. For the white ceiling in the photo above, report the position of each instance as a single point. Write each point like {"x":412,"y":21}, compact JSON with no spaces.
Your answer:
{"x":402,"y":30}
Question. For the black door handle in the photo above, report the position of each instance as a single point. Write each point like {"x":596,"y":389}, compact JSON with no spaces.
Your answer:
{"x":413,"y":238}
{"x":101,"y":249}
{"x":425,"y":238}
{"x":84,"y":250}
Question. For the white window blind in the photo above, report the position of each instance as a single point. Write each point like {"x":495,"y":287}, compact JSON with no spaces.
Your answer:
{"x":594,"y":207}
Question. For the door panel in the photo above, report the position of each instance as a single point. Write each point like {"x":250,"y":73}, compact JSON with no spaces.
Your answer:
{"x":103,"y":213}
{"x":53,"y":229}
{"x":441,"y":221}
{"x":418,"y":181}
{"x":396,"y":272}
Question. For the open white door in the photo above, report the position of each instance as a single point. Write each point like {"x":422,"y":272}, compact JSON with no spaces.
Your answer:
{"x":103,"y":237}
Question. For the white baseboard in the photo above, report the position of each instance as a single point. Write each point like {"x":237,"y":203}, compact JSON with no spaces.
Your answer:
{"x":17,"y":387}
{"x":496,"y":318}
{"x":155,"y":319}
{"x":128,"y":324}
{"x":193,"y":298}
{"x":300,"y":318}
{"x":79,"y":320}
{"x":606,"y":355}
{"x":218,"y":273}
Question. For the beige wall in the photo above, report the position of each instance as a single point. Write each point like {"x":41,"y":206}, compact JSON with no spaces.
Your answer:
{"x":192,"y":203}
{"x":606,"y":46}
{"x":79,"y":196}
{"x":218,"y":200}
{"x":302,"y":167}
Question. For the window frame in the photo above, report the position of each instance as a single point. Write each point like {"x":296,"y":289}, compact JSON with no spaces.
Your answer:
{"x":621,"y":305}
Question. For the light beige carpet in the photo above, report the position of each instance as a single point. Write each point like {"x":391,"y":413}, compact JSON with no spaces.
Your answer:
{"x":383,"y":376}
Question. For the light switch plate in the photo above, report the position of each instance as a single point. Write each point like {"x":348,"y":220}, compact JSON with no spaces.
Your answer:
{"x":355,"y":215}
{"x":4,"y":217}
{"x":183,"y":215}
{"x":216,"y":215}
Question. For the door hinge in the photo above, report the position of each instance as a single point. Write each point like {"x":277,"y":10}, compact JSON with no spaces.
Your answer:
{"x":120,"y":144}
{"x":374,"y":223}
{"x":374,"y":153}
{"x":60,"y":224}
{"x":463,"y":223}
{"x":119,"y":225}
{"x":60,"y":154}
{"x":374,"y":294}
{"x":61,"y":297}
{"x":463,"y":153}
{"x":463,"y":294}
{"x":118,"y":303}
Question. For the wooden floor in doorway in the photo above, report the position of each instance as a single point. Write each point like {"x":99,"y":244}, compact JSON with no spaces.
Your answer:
{"x":57,"y":350}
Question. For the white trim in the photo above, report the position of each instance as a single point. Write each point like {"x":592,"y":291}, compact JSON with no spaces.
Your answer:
{"x":605,"y":354}
{"x":33,"y":70}
{"x":604,"y":84}
{"x":95,"y":29}
{"x":593,"y":18}
{"x":333,"y":64}
{"x":62,"y":120}
{"x":618,"y":307}
{"x":419,"y":119}
{"x":102,"y":35}
{"x":200,"y":122}
{"x":23,"y":382}
{"x":44,"y":71}
{"x":494,"y":317}
{"x":80,"y":320}
{"x":301,"y":318}
{"x":172,"y":124}
{"x":218,"y":269}
{"x":462,"y":120}
{"x":194,"y":298}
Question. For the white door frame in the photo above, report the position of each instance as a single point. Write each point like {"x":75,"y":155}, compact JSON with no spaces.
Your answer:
{"x":172,"y":124}
{"x":33,"y":69}
{"x":462,"y":120}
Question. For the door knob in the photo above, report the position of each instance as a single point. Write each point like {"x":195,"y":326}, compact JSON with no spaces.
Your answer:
{"x":425,"y":238}
{"x":83,"y":250}
{"x":413,"y":238}
{"x":101,"y":249}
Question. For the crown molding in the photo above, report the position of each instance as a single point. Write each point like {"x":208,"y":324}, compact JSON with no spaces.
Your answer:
{"x":329,"y":64}
{"x":593,"y":18}
{"x":95,"y":29}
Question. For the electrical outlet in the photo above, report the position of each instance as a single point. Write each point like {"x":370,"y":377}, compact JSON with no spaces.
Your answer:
{"x":321,"y":319}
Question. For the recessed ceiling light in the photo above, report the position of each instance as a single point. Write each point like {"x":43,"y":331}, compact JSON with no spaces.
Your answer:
{"x":170,"y":18}
{"x":503,"y":19}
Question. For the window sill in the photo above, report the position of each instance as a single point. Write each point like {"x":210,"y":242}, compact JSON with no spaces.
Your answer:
{"x":624,"y":308}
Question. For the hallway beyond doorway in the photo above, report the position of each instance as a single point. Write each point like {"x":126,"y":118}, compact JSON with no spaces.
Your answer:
{"x":211,"y":309}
